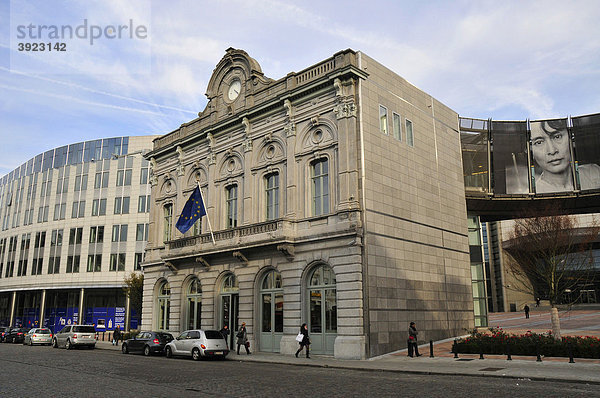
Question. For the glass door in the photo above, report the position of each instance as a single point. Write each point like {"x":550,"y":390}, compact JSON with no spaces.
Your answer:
{"x":322,"y":311}
{"x":229,"y":316}
{"x":271,"y":313}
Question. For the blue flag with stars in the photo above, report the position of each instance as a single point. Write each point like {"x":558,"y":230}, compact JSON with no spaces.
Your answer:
{"x":192,"y":211}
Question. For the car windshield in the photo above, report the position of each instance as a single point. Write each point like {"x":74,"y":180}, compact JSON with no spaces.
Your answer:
{"x":84,"y":329}
{"x":43,"y":331}
{"x":213,"y":335}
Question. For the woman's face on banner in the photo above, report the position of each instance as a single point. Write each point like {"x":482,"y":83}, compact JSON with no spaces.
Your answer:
{"x":550,"y":148}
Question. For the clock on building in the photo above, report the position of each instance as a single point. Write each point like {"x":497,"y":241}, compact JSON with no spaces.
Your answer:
{"x":234,"y":89}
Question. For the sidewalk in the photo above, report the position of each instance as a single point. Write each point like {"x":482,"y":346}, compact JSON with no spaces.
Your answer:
{"x":444,"y":363}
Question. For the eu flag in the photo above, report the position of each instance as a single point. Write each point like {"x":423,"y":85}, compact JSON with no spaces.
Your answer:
{"x":192,"y":211}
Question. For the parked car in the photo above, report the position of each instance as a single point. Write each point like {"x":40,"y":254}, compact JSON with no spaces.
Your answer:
{"x":197,"y":344}
{"x":3,"y":331}
{"x":147,"y":343}
{"x":75,"y":336}
{"x":38,"y":336}
{"x":15,"y":335}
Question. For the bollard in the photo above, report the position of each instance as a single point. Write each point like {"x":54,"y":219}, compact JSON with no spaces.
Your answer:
{"x":455,"y":350}
{"x":508,"y":357}
{"x":537,"y":352}
{"x":430,"y":348}
{"x":481,"y":351}
{"x":570,"y":348}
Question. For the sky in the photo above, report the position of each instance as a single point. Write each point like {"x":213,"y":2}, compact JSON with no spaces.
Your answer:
{"x":508,"y":60}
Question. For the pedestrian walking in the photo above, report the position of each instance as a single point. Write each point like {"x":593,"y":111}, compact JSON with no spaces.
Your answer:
{"x":305,"y":341}
{"x":225,"y":333}
{"x":537,"y":302}
{"x":413,"y":346}
{"x":116,"y":335}
{"x":242,"y":339}
{"x":526,"y":309}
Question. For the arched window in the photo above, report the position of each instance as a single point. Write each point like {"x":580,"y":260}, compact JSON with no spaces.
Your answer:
{"x":164,"y":304}
{"x":322,"y":308}
{"x":194,"y":305}
{"x":272,"y":303}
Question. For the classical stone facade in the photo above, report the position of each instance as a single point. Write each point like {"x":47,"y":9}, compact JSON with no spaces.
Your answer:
{"x":336,"y":199}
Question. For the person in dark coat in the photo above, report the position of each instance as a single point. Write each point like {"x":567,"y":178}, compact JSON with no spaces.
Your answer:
{"x":225,"y":333}
{"x":116,"y":335}
{"x":305,"y":340}
{"x":242,"y":339}
{"x":526,"y":309}
{"x":412,"y":340}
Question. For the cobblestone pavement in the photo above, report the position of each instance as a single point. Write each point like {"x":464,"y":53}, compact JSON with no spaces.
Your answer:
{"x":46,"y":372}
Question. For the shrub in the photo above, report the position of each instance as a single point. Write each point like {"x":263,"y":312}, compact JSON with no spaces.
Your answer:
{"x":497,"y":342}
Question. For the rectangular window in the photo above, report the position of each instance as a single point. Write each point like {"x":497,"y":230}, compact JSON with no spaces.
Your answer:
{"x":120,"y":175}
{"x":167,"y":221}
{"x":78,"y":210}
{"x":409,"y":133}
{"x":112,"y":265}
{"x":118,"y":205}
{"x":232,"y":193}
{"x":119,"y":233}
{"x":60,"y":210}
{"x":272,"y":195}
{"x":397,"y":126}
{"x":320,"y":187}
{"x":142,"y":204}
{"x":383,"y":124}
{"x":138,"y":258}
{"x":144,"y":176}
{"x":98,"y":180}
{"x":94,"y":263}
{"x":75,"y":236}
{"x":125,"y":205}
{"x":73,"y":264}
{"x":139,"y":232}
{"x":97,"y":234}
{"x":95,"y":204}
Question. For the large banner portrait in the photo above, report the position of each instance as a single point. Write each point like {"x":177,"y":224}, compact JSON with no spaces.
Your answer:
{"x":551,"y":156}
{"x":586,"y":134}
{"x":509,"y":157}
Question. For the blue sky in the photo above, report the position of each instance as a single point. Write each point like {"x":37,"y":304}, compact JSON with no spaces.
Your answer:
{"x":508,"y":60}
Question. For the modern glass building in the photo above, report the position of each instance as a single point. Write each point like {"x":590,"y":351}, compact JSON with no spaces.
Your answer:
{"x":74,"y":222}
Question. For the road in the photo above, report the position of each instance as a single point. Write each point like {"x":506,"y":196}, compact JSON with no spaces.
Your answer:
{"x":46,"y":372}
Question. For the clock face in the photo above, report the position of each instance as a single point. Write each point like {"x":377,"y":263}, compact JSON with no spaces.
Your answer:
{"x":234,"y":90}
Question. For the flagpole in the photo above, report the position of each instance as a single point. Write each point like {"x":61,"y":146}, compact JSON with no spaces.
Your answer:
{"x":207,"y":217}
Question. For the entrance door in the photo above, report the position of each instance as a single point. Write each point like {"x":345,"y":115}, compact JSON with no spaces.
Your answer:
{"x":323,"y":310}
{"x":230,"y":300}
{"x":229,"y":315}
{"x":271,"y":312}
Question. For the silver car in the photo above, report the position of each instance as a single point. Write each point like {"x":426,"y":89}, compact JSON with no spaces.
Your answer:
{"x":75,"y":336}
{"x":197,"y":344}
{"x":38,"y":336}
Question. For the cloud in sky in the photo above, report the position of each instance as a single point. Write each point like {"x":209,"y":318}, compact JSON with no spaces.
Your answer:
{"x":505,"y":60}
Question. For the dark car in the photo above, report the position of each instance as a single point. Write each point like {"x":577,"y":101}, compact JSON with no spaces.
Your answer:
{"x":16,"y":335}
{"x":3,"y":331}
{"x":147,"y":343}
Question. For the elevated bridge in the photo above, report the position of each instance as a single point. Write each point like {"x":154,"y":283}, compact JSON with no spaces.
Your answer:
{"x":516,"y":169}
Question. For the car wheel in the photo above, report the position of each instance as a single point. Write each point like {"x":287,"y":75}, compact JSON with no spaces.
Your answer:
{"x":68,"y":344}
{"x":147,"y":351}
{"x":30,"y":343}
{"x":124,"y":349}
{"x":168,"y":352}
{"x":195,"y":354}
{"x":54,"y":343}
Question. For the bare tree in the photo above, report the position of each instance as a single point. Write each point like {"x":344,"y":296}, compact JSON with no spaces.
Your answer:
{"x":551,"y":255}
{"x":134,"y":287}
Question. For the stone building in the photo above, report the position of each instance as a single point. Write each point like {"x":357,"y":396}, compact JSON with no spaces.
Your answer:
{"x":336,"y":199}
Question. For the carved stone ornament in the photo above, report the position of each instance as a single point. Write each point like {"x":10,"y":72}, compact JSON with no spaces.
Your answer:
{"x":247,"y":144}
{"x":345,"y":110}
{"x":212,"y":158}
{"x":180,"y":166}
{"x":337,"y":84}
{"x":287,"y":104}
{"x":153,"y":177}
{"x":314,"y":121}
{"x":290,"y":129}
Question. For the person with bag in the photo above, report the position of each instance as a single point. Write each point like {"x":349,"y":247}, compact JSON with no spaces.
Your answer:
{"x":242,"y":339}
{"x":303,"y":339}
{"x":412,"y":340}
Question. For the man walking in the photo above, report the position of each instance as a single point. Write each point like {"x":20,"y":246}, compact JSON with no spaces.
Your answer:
{"x":526,"y":308}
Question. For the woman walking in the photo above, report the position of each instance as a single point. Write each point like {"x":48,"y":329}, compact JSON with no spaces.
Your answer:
{"x":242,"y":339}
{"x":305,"y":340}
